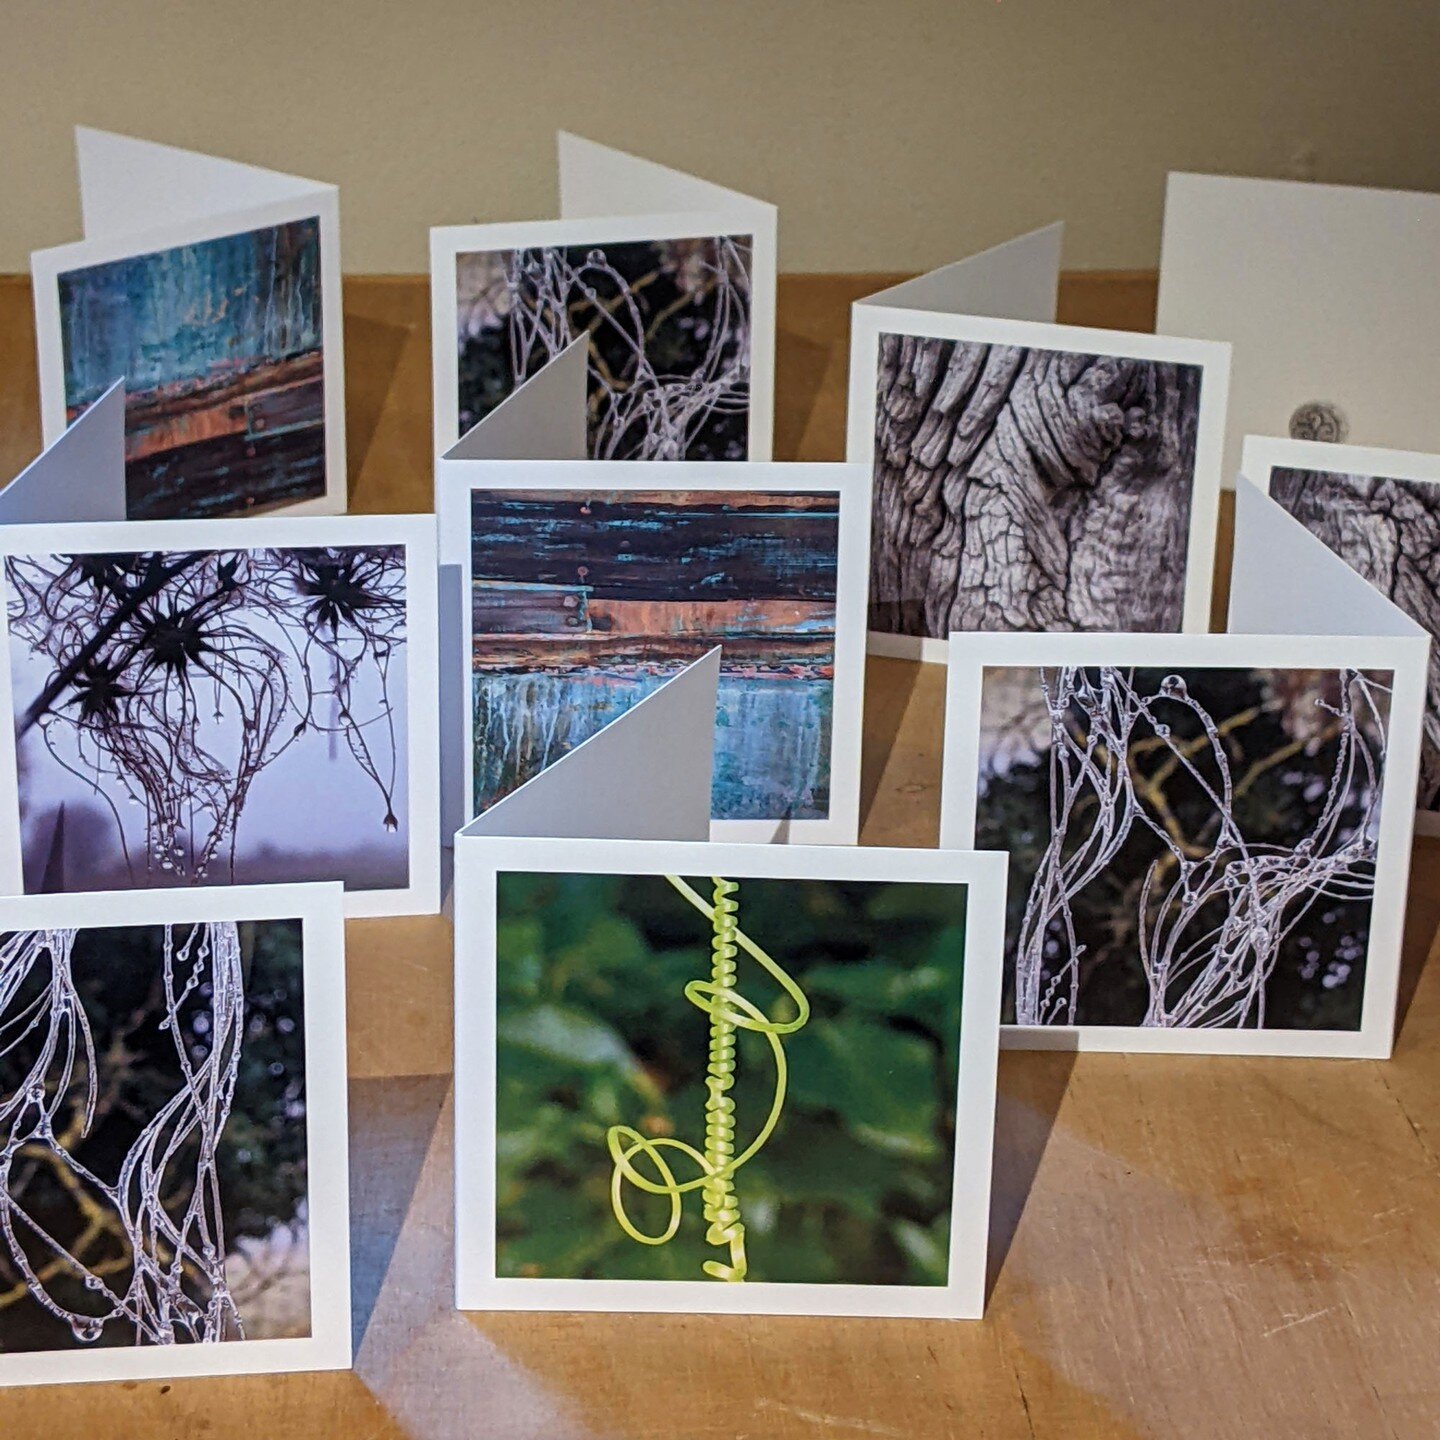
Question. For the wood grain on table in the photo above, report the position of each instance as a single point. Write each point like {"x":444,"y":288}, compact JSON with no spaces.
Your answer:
{"x":1215,"y":1248}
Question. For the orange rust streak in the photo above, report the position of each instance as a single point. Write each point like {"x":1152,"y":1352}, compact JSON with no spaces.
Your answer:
{"x":702,"y":618}
{"x":185,"y":414}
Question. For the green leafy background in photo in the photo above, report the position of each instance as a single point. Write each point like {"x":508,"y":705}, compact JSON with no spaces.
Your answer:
{"x":594,"y":1030}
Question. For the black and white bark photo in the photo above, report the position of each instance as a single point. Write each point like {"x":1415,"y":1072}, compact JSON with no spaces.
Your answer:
{"x":1388,"y":531}
{"x":1189,"y":849}
{"x":1029,"y":489}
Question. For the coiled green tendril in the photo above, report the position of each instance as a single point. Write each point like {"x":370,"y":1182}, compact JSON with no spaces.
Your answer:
{"x":728,"y":1011}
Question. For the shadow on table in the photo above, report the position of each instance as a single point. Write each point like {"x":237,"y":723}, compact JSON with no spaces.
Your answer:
{"x":427,"y":1365}
{"x":367,"y":385}
{"x":392,"y":1124}
{"x":1032,"y":1085}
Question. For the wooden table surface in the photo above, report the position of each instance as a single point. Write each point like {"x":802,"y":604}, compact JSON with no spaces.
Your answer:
{"x":1214,"y":1248}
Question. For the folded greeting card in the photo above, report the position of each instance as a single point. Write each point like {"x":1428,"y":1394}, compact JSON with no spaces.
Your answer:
{"x":1209,"y":835}
{"x":724,"y":1078}
{"x":1379,"y":510}
{"x":222,"y":702}
{"x":80,"y":477}
{"x":1028,"y":475}
{"x":173,"y":1167}
{"x":671,"y":279}
{"x":1330,"y":296}
{"x":212,"y":289}
{"x":585,"y":586}
{"x":544,"y":419}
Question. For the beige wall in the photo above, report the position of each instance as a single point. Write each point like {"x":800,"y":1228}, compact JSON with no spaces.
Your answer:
{"x":893,"y":134}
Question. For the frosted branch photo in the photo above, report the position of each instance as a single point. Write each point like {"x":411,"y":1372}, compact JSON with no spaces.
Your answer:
{"x":670,"y":338}
{"x":1029,"y":489}
{"x":738,"y":1082}
{"x":1189,"y":850}
{"x":170,"y":707}
{"x":583,"y":602}
{"x":153,"y":1172}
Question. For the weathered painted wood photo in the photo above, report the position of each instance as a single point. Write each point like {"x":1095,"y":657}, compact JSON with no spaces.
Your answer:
{"x":584,"y":602}
{"x":220,"y":347}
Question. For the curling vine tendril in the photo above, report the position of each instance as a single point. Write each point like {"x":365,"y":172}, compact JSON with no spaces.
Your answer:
{"x":728,"y":1011}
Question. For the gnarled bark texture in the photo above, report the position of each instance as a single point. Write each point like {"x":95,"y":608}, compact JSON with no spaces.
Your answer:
{"x":1019,"y":489}
{"x":1389,"y":532}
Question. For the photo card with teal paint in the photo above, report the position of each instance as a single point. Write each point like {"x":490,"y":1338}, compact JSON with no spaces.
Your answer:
{"x":724,"y":1078}
{"x":212,"y":291}
{"x":588,"y":585}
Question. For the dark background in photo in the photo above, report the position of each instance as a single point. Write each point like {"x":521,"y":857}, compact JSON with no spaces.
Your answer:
{"x":262,"y":1162}
{"x":670,"y":333}
{"x":1282,"y":750}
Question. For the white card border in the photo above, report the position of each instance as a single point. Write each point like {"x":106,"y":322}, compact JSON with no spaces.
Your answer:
{"x":421,"y":896}
{"x":448,"y":242}
{"x":1262,"y":455}
{"x":328,"y":1346}
{"x":479,"y":860}
{"x":457,"y":479}
{"x":868,"y":321}
{"x":46,"y":266}
{"x":1404,"y":655}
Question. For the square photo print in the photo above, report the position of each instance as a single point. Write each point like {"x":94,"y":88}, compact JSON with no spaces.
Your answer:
{"x":221,"y":347}
{"x":752,"y":1091}
{"x":230,"y":714}
{"x":1200,"y":855}
{"x":669,"y":322}
{"x":584,"y":601}
{"x":161,"y":1110}
{"x":1035,"y":477}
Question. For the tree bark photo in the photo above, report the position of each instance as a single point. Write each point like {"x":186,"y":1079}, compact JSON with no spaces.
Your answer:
{"x":1024,"y":489}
